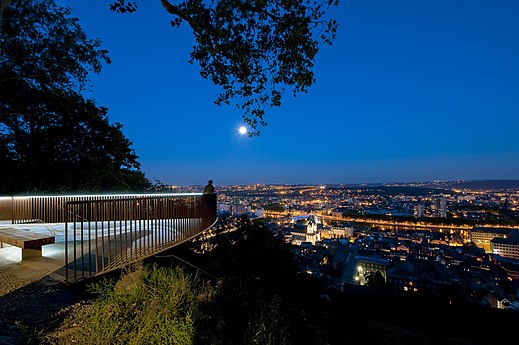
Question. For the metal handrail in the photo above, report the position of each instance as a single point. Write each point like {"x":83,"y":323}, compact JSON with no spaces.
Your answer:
{"x":51,"y":208}
{"x":107,"y":234}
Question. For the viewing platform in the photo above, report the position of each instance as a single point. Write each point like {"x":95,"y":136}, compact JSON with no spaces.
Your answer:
{"x":77,"y":237}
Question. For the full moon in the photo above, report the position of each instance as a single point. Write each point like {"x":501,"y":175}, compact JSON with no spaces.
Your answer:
{"x":243,"y":130}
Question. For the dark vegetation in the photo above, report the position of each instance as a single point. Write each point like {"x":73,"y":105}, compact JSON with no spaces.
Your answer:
{"x":259,"y":290}
{"x":247,"y":290}
{"x":275,"y":207}
{"x":486,"y":184}
{"x":52,"y":138}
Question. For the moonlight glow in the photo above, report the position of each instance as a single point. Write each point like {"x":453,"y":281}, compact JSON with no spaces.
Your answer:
{"x":242,"y":130}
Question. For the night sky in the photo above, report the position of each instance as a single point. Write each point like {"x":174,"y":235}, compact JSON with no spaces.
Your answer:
{"x":410,"y":91}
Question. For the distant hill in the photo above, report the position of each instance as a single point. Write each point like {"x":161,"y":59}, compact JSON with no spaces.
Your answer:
{"x":453,"y":184}
{"x":485,"y":184}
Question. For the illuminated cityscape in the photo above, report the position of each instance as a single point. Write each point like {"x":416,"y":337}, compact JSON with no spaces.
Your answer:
{"x":453,"y":239}
{"x":259,"y":172}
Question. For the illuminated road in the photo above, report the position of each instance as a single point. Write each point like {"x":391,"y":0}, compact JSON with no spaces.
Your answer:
{"x":399,"y":224}
{"x":403,"y":224}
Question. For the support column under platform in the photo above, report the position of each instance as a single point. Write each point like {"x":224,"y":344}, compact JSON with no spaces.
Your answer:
{"x":29,"y":242}
{"x":31,"y":253}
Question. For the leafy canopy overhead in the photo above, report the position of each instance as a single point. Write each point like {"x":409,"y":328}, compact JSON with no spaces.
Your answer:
{"x":254,"y":50}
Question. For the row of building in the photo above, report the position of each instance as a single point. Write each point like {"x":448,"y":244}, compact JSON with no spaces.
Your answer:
{"x":413,"y":261}
{"x":500,"y":241}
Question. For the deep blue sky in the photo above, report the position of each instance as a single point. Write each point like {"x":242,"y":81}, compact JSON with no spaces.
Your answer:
{"x":410,"y":91}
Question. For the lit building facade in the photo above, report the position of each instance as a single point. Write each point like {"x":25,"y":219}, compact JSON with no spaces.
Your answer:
{"x":259,"y":212}
{"x":418,"y":211}
{"x":308,"y":229}
{"x":239,"y":209}
{"x":482,"y":236}
{"x":369,"y":265}
{"x":506,"y":247}
{"x":439,"y":207}
{"x":345,"y":231}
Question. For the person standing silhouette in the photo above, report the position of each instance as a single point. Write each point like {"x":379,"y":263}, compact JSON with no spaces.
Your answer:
{"x":209,"y":189}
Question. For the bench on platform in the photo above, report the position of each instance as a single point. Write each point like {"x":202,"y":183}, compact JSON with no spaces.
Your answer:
{"x":30,"y":242}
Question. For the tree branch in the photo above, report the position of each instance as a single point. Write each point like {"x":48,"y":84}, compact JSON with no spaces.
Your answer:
{"x":171,"y":8}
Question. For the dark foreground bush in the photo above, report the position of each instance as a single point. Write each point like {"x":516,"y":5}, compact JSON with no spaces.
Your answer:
{"x":148,"y":305}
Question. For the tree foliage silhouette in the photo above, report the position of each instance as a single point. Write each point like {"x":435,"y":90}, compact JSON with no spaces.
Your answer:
{"x":51,"y":137}
{"x":254,"y":50}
